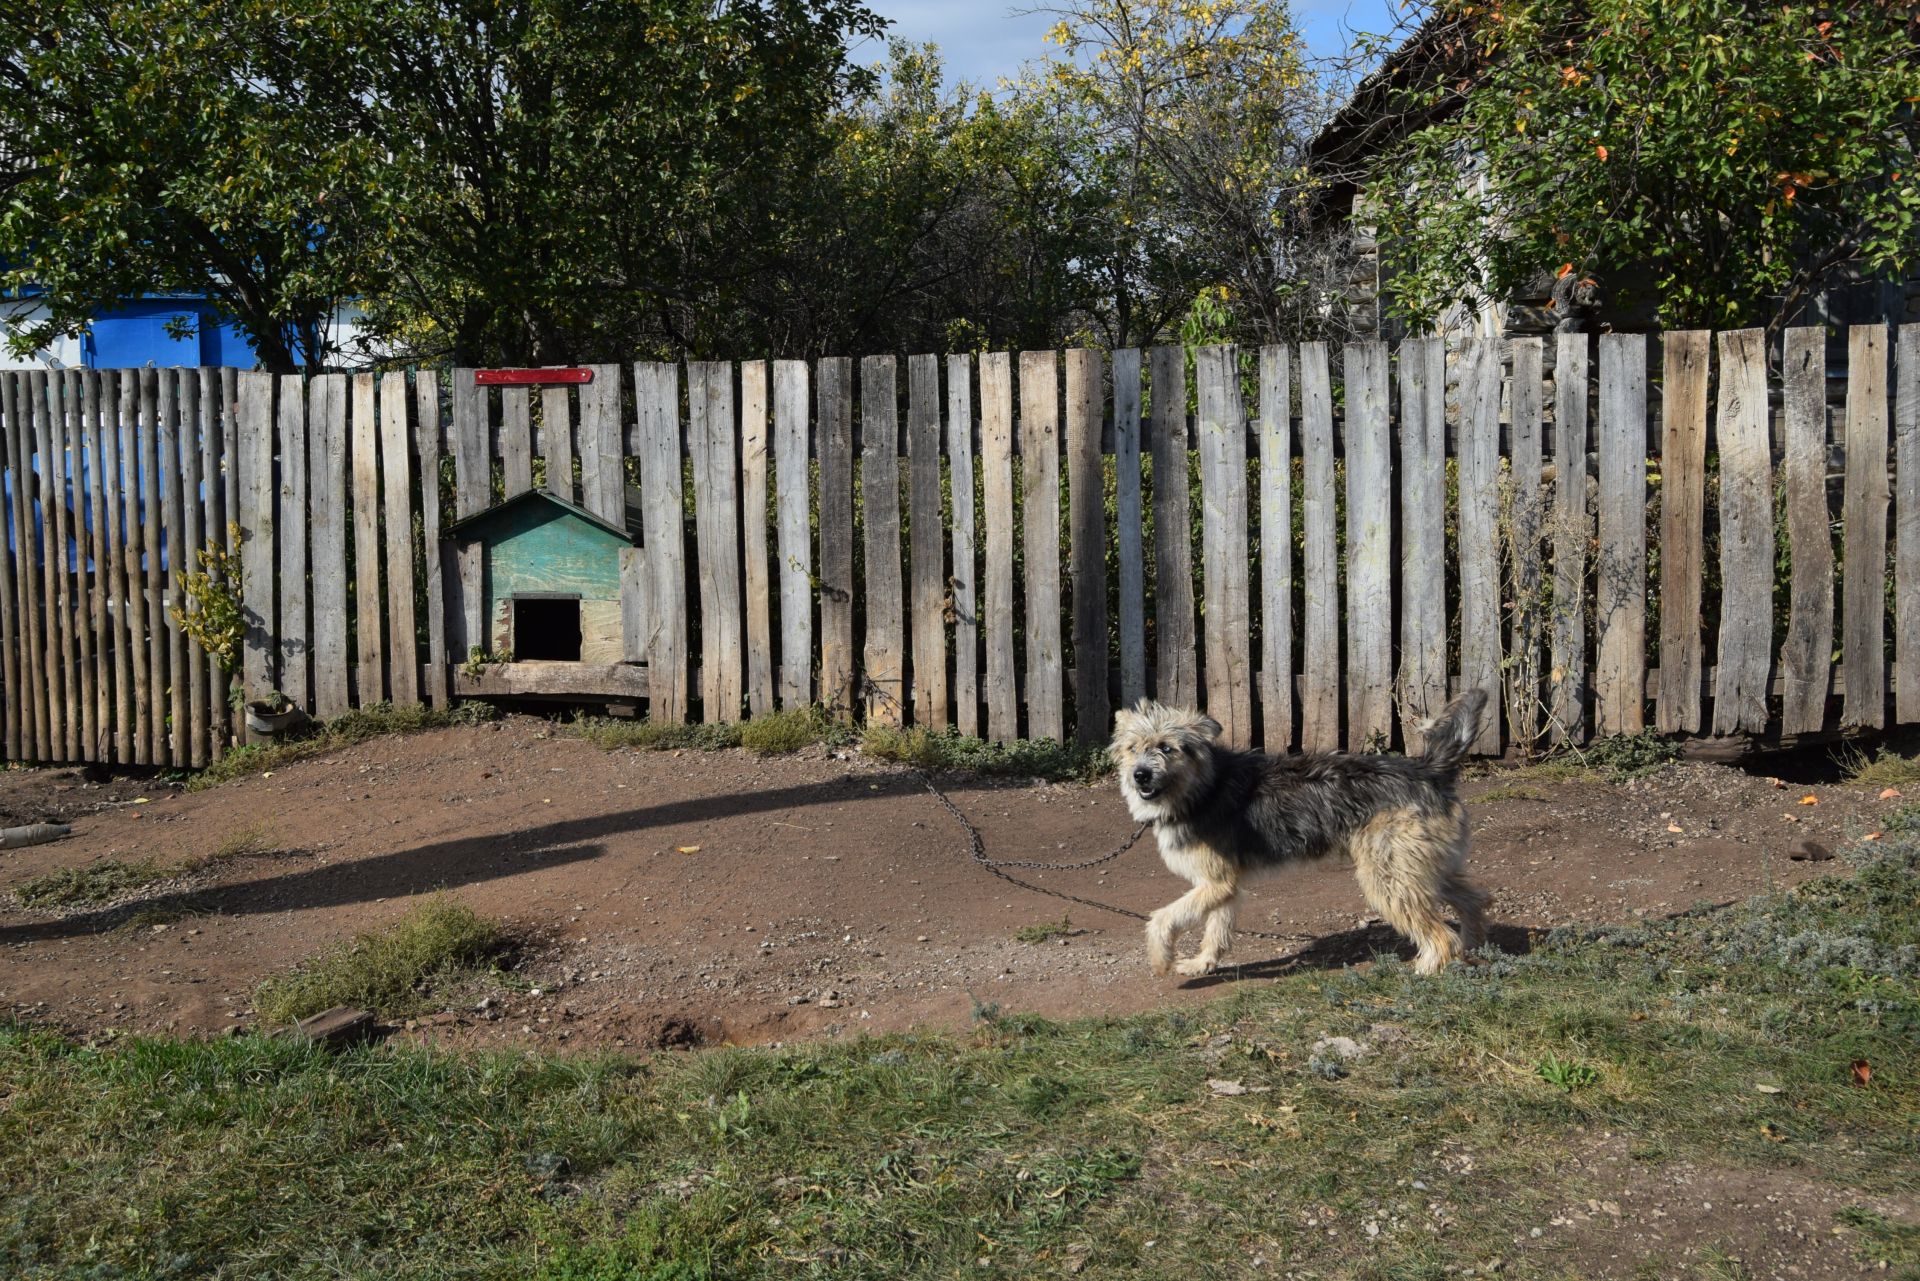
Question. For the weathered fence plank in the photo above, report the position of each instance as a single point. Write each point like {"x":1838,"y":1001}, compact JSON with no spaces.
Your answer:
{"x":1864,"y":530}
{"x":603,"y":474}
{"x":1276,"y":551}
{"x":1178,"y":673}
{"x":1423,"y":535}
{"x":22,"y":449}
{"x":1906,"y":507}
{"x":98,"y":554}
{"x":794,"y":542}
{"x":327,"y":523}
{"x":1746,"y":538}
{"x":961,"y":582}
{"x":837,"y":663}
{"x":1221,"y":434}
{"x":85,"y":601}
{"x":173,"y":513}
{"x":556,"y":440}
{"x":1526,"y":634}
{"x":516,"y":440}
{"x":1087,"y":532}
{"x":369,"y":685}
{"x":1040,"y":515}
{"x":710,"y":441}
{"x":926,"y":550}
{"x":1129,"y":526}
{"x":256,"y":530}
{"x":10,"y":606}
{"x":426,"y":436}
{"x":397,"y":490}
{"x":1683,"y":476}
{"x":52,"y":551}
{"x":295,"y":593}
{"x":54,"y":476}
{"x":1621,"y":603}
{"x":883,"y":656}
{"x":114,"y":485}
{"x":155,"y":569}
{"x":1369,"y":612}
{"x":996,"y":477}
{"x":191,"y":536}
{"x":213,"y":416}
{"x":471,"y":493}
{"x":656,"y":394}
{"x":753,"y":524}
{"x":1479,"y":531}
{"x":1572,"y":528}
{"x":1320,"y":643}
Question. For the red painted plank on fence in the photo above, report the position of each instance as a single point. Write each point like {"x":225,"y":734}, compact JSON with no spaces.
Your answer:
{"x":530,"y":377}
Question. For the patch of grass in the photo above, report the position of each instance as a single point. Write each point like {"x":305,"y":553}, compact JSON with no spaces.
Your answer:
{"x":1616,"y":759}
{"x":388,"y":971}
{"x":1884,"y":769}
{"x":1883,"y":1241}
{"x":1566,"y":1074}
{"x":612,"y":733}
{"x":792,"y":729}
{"x":256,"y":841}
{"x":1508,"y":794}
{"x":1025,"y":758}
{"x":356,"y":726}
{"x":1044,"y":930}
{"x":84,"y":886}
{"x":1175,"y":1143}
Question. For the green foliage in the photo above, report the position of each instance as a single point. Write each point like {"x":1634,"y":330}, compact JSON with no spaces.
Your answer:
{"x":1628,"y":756}
{"x":82,"y":886}
{"x":1045,"y":930}
{"x":611,"y":733}
{"x":1024,"y":758}
{"x":791,"y":729}
{"x":1745,"y":154}
{"x":1566,"y":1074}
{"x":388,"y":971}
{"x":217,"y":622}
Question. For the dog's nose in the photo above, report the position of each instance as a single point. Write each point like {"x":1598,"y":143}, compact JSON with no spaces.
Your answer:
{"x":1142,"y":775}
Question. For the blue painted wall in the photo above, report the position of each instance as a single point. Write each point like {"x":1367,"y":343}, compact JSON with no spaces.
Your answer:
{"x":135,"y":336}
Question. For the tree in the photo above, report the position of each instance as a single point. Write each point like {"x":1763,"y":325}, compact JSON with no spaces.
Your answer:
{"x":1741,"y":154}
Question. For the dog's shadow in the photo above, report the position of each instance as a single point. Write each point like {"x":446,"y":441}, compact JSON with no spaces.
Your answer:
{"x":1351,"y":947}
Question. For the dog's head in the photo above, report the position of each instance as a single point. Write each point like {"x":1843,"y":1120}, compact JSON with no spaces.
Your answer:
{"x":1164,"y":755}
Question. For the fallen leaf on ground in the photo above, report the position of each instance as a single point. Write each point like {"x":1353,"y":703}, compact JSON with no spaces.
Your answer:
{"x":1675,"y":827}
{"x":1862,"y":1072}
{"x":1889,"y":793}
{"x":1809,"y":800}
{"x":1871,"y":836}
{"x":688,"y":849}
{"x":1772,"y":1134}
{"x":1764,"y":1088}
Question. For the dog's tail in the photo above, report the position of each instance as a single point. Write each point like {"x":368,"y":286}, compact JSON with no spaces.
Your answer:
{"x":1450,"y":733}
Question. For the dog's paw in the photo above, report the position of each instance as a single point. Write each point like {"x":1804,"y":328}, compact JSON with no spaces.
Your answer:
{"x":1195,"y":966}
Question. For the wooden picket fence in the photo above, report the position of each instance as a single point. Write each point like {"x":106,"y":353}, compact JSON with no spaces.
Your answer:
{"x":1519,"y":516}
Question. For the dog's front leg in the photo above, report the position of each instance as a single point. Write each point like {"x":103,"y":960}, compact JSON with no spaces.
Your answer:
{"x":1165,"y":927}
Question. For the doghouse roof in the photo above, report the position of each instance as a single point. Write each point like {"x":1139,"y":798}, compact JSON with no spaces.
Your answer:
{"x":468,"y":528}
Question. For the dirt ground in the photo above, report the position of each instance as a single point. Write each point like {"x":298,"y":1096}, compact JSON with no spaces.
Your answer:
{"x":682,"y":898}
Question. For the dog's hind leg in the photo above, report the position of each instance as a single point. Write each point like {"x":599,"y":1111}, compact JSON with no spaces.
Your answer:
{"x":1403,"y":865}
{"x":1469,"y":903}
{"x":1215,"y":942}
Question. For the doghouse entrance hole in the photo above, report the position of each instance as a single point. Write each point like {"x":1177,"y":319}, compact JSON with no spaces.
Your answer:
{"x":546,"y":627}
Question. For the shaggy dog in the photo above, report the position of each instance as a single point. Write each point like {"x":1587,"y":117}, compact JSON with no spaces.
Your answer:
{"x":1222,"y":814}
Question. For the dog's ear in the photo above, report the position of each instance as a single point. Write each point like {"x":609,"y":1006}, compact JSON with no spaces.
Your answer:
{"x":1208,"y":726}
{"x":1127,"y":719}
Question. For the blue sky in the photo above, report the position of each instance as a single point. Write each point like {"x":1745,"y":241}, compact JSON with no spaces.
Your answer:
{"x":984,"y":40}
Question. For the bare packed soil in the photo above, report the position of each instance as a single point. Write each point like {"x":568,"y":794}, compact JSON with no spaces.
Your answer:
{"x":678,"y":898}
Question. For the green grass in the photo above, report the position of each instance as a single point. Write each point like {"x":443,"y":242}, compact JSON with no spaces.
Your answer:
{"x":1026,"y":758}
{"x":612,"y":734}
{"x":1098,"y":1147}
{"x":356,"y":726}
{"x":394,"y":971}
{"x":95,"y":883}
{"x":1044,"y":931}
{"x":1884,"y":769}
{"x":1509,"y":794}
{"x":1619,"y":758}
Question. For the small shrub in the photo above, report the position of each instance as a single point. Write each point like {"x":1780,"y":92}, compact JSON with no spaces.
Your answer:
{"x":389,"y":971}
{"x":1044,"y":930}
{"x":1629,"y":756}
{"x":1566,"y":1074}
{"x":787,"y":730}
{"x":1885,"y":769}
{"x":612,"y":734}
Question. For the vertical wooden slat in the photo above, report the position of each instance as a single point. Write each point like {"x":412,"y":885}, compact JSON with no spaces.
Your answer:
{"x":229,"y":402}
{"x":1087,"y":527}
{"x":926,"y":573}
{"x":1276,"y":550}
{"x":65,"y":389}
{"x":837,"y":690}
{"x":966,"y":622}
{"x":753,"y":524}
{"x":55,"y":642}
{"x":1423,"y":536}
{"x":10,"y":611}
{"x":1572,"y":528}
{"x":1320,"y":649}
{"x":397,"y":490}
{"x":996,"y":483}
{"x":256,"y":529}
{"x":556,"y":439}
{"x":1527,"y":523}
{"x":710,"y":440}
{"x":193,"y":511}
{"x":794,"y":542}
{"x":1130,"y":525}
{"x":1040,"y":515}
{"x":179,"y":678}
{"x":1177,"y":676}
{"x":1864,"y":530}
{"x":1683,"y":471}
{"x":1906,"y":508}
{"x":80,"y":452}
{"x":1621,"y":599}
{"x":1479,"y":536}
{"x":327,"y":487}
{"x":603,"y":478}
{"x":426,"y":443}
{"x":295,"y":634}
{"x":96,"y":400}
{"x":634,"y":604}
{"x":59,"y":424}
{"x":22,"y":449}
{"x":1746,"y":537}
{"x":471,"y":484}
{"x":1369,"y":610}
{"x":137,"y":416}
{"x":516,"y":439}
{"x":657,"y":401}
{"x":115,"y":442}
{"x":369,"y":683}
{"x":153,"y":518}
{"x":1221,"y":434}
{"x":213,"y":529}
{"x":882,"y":655}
